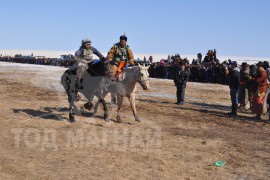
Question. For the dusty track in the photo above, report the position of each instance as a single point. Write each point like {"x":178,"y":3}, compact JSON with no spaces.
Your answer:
{"x":172,"y":142}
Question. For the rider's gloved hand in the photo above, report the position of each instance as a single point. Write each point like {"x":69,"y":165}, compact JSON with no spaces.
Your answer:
{"x":106,"y":61}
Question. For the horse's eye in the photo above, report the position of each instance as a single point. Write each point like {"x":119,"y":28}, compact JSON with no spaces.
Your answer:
{"x":142,"y":74}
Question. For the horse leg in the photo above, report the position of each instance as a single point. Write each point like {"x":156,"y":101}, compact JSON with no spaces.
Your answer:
{"x":105,"y":109}
{"x":106,"y":112}
{"x":113,"y":98}
{"x":72,"y":108}
{"x":133,"y":107}
{"x":68,"y":83}
{"x":100,"y":96}
{"x":96,"y":106}
{"x":75,"y":109}
{"x":71,"y":114}
{"x":119,"y":103}
{"x":71,"y":118}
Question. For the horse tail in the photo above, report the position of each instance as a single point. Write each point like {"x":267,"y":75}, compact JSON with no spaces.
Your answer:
{"x":66,"y":80}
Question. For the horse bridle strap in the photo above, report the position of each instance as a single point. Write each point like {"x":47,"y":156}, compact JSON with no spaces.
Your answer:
{"x":142,"y":81}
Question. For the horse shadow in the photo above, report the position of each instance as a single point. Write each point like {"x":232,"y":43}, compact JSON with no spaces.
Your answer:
{"x":43,"y":114}
{"x":52,"y":113}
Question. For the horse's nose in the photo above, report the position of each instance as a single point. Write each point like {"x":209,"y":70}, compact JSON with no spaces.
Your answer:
{"x":146,"y":87}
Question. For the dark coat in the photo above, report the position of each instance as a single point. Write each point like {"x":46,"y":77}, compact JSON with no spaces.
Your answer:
{"x":245,"y":77}
{"x":181,"y":77}
{"x":234,"y":75}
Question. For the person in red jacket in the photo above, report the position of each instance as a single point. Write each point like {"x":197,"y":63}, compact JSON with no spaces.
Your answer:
{"x":259,"y":98}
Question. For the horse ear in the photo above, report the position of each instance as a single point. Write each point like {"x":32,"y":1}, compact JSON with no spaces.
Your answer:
{"x":139,"y":65}
{"x":143,"y":65}
{"x":147,"y":67}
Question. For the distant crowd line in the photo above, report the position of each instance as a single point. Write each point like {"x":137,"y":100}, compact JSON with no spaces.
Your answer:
{"x":37,"y":60}
{"x":208,"y":69}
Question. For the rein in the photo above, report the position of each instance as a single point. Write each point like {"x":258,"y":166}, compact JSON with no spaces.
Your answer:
{"x":141,"y":81}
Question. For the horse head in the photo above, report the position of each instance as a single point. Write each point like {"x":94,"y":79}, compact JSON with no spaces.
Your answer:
{"x":142,"y":76}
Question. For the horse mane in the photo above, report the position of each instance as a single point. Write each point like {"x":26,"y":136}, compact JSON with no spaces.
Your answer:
{"x":131,"y":68}
{"x":100,"y":69}
{"x":96,"y":69}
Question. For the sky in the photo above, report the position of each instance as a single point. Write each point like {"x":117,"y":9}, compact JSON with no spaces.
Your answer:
{"x":233,"y":27}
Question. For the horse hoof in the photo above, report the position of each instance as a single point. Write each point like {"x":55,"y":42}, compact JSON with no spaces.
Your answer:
{"x":137,"y":119}
{"x":71,"y":118}
{"x":118,"y":119}
{"x":106,"y":118}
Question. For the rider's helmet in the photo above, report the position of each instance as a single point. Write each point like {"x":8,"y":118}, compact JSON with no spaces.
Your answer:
{"x":123,"y":37}
{"x":85,"y":40}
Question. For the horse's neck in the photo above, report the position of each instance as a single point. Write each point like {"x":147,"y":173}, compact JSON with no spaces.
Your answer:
{"x":129,"y":80}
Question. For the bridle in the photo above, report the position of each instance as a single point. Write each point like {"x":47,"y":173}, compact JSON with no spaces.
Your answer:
{"x":140,"y":79}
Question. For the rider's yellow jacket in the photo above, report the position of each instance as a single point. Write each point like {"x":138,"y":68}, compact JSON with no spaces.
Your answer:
{"x":118,"y":54}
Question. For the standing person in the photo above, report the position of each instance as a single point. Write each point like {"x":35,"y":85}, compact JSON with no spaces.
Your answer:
{"x":144,"y":60}
{"x":215,"y":55}
{"x":150,"y":60}
{"x":266,"y":63}
{"x":259,"y":98}
{"x":175,"y":65}
{"x":243,"y":90}
{"x":234,"y":83}
{"x":252,"y":83}
{"x":180,"y":80}
{"x":199,"y":56}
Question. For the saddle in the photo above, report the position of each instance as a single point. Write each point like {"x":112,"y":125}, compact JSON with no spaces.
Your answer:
{"x":96,"y":69}
{"x":101,"y":68}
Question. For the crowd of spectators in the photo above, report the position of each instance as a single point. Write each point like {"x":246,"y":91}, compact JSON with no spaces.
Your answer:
{"x":208,"y":69}
{"x":40,"y":60}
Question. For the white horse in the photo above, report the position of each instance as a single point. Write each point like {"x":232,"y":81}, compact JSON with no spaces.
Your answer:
{"x":126,"y":87}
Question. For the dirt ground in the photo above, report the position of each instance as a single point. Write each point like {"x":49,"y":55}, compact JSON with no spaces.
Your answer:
{"x":171,"y":142}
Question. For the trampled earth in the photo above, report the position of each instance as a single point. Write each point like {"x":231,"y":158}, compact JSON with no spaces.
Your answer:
{"x":171,"y":142}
